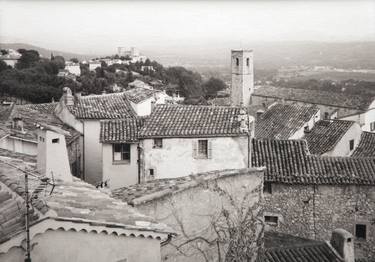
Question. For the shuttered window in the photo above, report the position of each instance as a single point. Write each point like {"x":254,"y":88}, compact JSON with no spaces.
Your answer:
{"x":202,"y":149}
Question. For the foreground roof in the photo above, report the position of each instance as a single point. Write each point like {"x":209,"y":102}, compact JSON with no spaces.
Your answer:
{"x":291,"y":248}
{"x":140,"y":94}
{"x":316,"y":97}
{"x":32,"y":114}
{"x":366,"y":147}
{"x":119,"y":130}
{"x":192,"y":121}
{"x":158,"y":188}
{"x":281,"y":121}
{"x":75,"y":201}
{"x":107,"y":106}
{"x":325,"y":135}
{"x":288,"y":161}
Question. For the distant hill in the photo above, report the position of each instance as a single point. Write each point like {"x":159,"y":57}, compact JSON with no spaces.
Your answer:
{"x":45,"y":52}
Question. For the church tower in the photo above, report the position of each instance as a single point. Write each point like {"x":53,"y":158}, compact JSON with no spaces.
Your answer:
{"x":242,"y":77}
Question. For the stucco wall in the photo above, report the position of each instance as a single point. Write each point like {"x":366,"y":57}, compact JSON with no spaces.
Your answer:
{"x":92,"y":151}
{"x":369,"y":117}
{"x":71,"y":246}
{"x":193,"y":211}
{"x":342,"y":147}
{"x":20,"y":146}
{"x":315,"y":212}
{"x":176,"y":159}
{"x":120,"y":174}
{"x":142,"y":108}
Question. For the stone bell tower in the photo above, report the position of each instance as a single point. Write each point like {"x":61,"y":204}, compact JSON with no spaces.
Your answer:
{"x":242,"y":77}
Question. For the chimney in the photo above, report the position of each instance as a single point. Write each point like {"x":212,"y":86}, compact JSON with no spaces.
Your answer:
{"x":259,"y":113}
{"x":52,"y":158}
{"x":306,"y":129}
{"x":78,"y":94}
{"x":18,"y":123}
{"x":104,"y":92}
{"x":67,"y":96}
{"x":343,"y":242}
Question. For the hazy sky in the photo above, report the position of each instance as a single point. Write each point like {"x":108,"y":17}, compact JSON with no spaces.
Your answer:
{"x":101,"y":26}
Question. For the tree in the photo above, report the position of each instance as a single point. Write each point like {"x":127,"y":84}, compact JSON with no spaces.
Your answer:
{"x":28,"y":58}
{"x":59,"y":61}
{"x":74,"y":60}
{"x":213,"y":85}
{"x":3,"y":65}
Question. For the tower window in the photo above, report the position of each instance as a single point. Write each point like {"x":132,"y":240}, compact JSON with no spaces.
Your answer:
{"x":237,"y":61}
{"x":247,"y":61}
{"x":55,"y":140}
{"x":360,"y":231}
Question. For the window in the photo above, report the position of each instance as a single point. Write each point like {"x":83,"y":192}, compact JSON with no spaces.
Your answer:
{"x":203,"y":148}
{"x":237,"y":61}
{"x":247,"y":61}
{"x":55,"y":140}
{"x":267,"y":187}
{"x":271,"y":220}
{"x":360,"y":231}
{"x":158,"y":143}
{"x":351,"y":144}
{"x":41,"y":139}
{"x":151,"y":172}
{"x":372,"y":126}
{"x":121,"y":152}
{"x":326,"y":115}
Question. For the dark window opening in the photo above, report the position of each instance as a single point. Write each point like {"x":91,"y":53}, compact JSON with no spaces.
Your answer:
{"x":151,"y":172}
{"x":203,"y":148}
{"x":247,"y":61}
{"x":237,"y":61}
{"x":351,"y":144}
{"x":121,"y":152}
{"x":360,"y":231}
{"x":326,"y":115}
{"x":272,"y":220}
{"x":267,"y":187}
{"x":158,"y":143}
{"x":55,"y":140}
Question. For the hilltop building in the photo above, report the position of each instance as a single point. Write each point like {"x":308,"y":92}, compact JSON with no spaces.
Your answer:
{"x":73,"y":68}
{"x":11,"y":58}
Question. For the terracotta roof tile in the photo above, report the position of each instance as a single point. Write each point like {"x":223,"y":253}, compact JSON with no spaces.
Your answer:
{"x":366,"y":147}
{"x":281,"y":121}
{"x":192,"y":121}
{"x":288,"y":161}
{"x":326,"y":134}
{"x":140,"y":94}
{"x":316,"y":97}
{"x":119,"y":130}
{"x":108,"y":106}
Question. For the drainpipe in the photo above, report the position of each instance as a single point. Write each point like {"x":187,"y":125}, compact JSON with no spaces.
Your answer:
{"x":139,"y":163}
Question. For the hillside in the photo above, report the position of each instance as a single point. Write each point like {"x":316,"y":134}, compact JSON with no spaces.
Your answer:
{"x":44,"y":51}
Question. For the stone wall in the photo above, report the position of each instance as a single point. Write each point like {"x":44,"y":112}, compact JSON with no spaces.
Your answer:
{"x":193,"y":212}
{"x":75,"y":156}
{"x":315,"y":211}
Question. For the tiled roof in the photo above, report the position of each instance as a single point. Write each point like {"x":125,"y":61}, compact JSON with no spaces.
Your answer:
{"x":192,"y":121}
{"x":325,"y":134}
{"x":281,"y":121}
{"x":280,"y":247}
{"x":288,"y":161}
{"x":316,"y":97}
{"x":119,"y":131}
{"x":140,"y":94}
{"x":107,"y":106}
{"x":366,"y":147}
{"x":33,"y":114}
{"x":71,"y":201}
{"x":158,"y":188}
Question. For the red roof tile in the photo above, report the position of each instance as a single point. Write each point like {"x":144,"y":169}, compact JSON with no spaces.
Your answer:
{"x":192,"y":121}
{"x":281,"y":121}
{"x":108,"y":106}
{"x":325,"y":134}
{"x":366,"y":147}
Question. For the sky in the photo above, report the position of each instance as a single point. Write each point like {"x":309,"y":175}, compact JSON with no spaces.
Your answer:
{"x":100,"y":26}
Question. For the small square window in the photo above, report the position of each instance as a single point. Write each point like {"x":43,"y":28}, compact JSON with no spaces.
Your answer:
{"x":55,"y":140}
{"x":203,"y":148}
{"x":158,"y":143}
{"x":351,"y":144}
{"x":151,"y":172}
{"x":121,"y":152}
{"x":271,"y":220}
{"x":326,"y":115}
{"x":267,"y":188}
{"x":237,"y":62}
{"x":372,"y":126}
{"x":247,"y":61}
{"x":360,"y":231}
